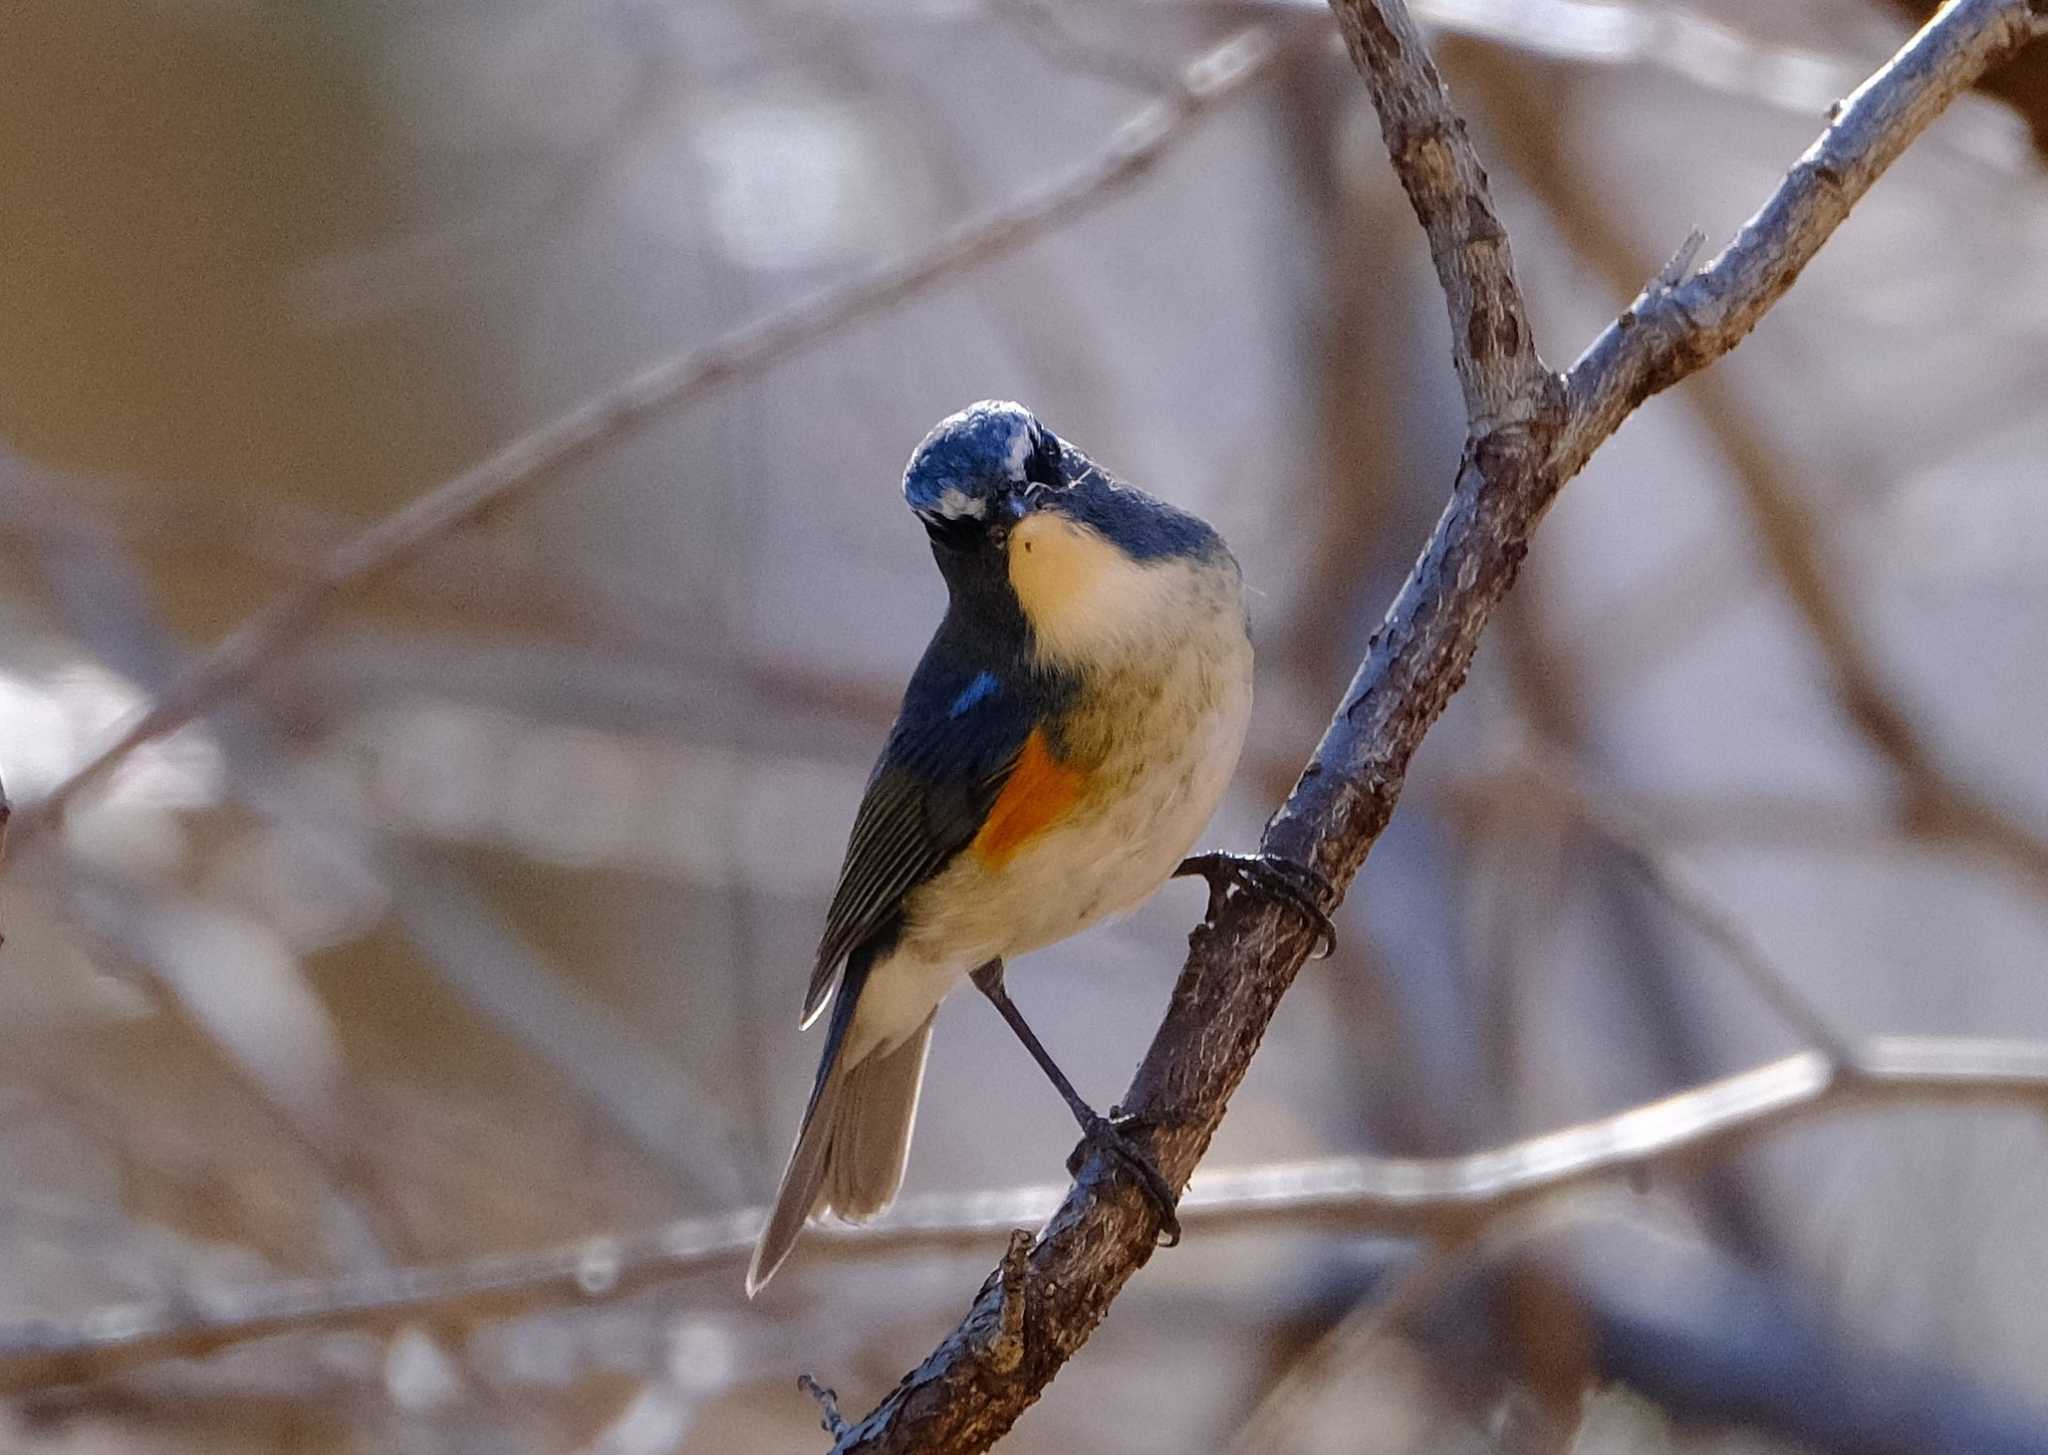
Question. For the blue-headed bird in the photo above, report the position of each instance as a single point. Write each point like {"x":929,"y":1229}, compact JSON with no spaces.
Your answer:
{"x":1061,"y":745}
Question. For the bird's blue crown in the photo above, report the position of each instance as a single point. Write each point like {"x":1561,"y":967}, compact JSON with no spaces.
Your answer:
{"x":973,"y":456}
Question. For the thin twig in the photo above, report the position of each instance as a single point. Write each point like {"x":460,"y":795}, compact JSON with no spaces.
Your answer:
{"x":1933,"y":801}
{"x":605,"y":419}
{"x":1527,"y":438}
{"x":1445,"y":1198}
{"x":1522,"y":449}
{"x":830,"y":1420}
{"x":1670,"y":333}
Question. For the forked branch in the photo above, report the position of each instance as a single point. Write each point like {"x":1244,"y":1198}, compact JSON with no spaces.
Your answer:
{"x":1527,"y":437}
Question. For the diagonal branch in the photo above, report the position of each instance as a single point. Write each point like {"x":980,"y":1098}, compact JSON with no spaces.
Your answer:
{"x":1520,"y":451}
{"x":536,"y":458}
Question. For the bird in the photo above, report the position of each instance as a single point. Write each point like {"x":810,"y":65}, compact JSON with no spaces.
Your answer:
{"x":1061,"y":746}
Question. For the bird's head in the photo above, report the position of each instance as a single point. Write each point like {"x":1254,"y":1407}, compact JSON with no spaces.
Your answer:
{"x":980,"y":472}
{"x":1019,"y":518}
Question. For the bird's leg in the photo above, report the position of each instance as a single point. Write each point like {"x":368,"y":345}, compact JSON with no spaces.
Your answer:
{"x":1101,"y":1131}
{"x":1295,"y":885}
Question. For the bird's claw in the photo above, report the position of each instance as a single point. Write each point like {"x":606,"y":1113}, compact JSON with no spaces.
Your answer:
{"x":1295,"y":885}
{"x":1106,"y":1134}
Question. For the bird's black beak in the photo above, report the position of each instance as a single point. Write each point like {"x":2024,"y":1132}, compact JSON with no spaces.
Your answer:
{"x":1009,"y":507}
{"x":1016,"y":503}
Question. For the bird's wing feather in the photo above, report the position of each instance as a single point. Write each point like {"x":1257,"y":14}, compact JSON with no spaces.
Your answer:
{"x":945,"y":764}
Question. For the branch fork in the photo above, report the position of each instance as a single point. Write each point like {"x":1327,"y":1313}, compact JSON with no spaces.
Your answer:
{"x":1530,"y":430}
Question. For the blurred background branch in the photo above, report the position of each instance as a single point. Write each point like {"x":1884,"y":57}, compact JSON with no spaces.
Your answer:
{"x":1446,"y":1200}
{"x":534,"y":458}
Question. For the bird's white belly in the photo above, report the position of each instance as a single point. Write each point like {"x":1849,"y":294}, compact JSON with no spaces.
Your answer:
{"x":1173,"y":759}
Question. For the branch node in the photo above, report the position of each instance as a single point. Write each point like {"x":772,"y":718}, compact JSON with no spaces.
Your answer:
{"x":1001,"y":1346}
{"x":1674,"y":271}
{"x":830,"y":1420}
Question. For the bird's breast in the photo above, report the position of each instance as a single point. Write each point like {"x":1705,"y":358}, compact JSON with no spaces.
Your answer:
{"x":1103,"y":802}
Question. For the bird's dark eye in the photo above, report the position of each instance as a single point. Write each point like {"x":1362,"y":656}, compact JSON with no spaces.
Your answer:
{"x":956,"y":532}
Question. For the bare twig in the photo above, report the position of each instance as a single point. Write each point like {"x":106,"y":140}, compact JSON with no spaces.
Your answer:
{"x":1546,"y":684}
{"x":2024,"y":84}
{"x":1527,"y":437}
{"x":535,"y":458}
{"x":1933,"y":801}
{"x":830,"y":1420}
{"x":1669,"y":333}
{"x":1693,"y":43}
{"x":1444,"y":1198}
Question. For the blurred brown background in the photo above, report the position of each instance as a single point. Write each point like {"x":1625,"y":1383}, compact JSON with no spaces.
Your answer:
{"x":481,"y":926}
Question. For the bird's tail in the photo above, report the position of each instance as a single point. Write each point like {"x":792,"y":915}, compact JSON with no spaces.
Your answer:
{"x":850,"y":1152}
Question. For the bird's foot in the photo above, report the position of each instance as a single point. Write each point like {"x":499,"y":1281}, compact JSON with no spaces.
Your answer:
{"x":1108,"y":1135}
{"x":1295,"y":885}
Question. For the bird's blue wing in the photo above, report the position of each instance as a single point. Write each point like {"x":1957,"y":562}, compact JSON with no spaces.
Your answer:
{"x":944,"y":765}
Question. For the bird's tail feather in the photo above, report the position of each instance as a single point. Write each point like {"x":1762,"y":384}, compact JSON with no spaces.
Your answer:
{"x":871,"y":1128}
{"x":850,"y":1153}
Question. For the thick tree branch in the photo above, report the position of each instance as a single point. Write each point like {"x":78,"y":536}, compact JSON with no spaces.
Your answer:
{"x":1444,"y":1198}
{"x":1527,"y":438}
{"x":534,"y":459}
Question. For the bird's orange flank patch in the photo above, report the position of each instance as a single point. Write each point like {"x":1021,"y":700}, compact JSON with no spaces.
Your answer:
{"x":1038,"y":794}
